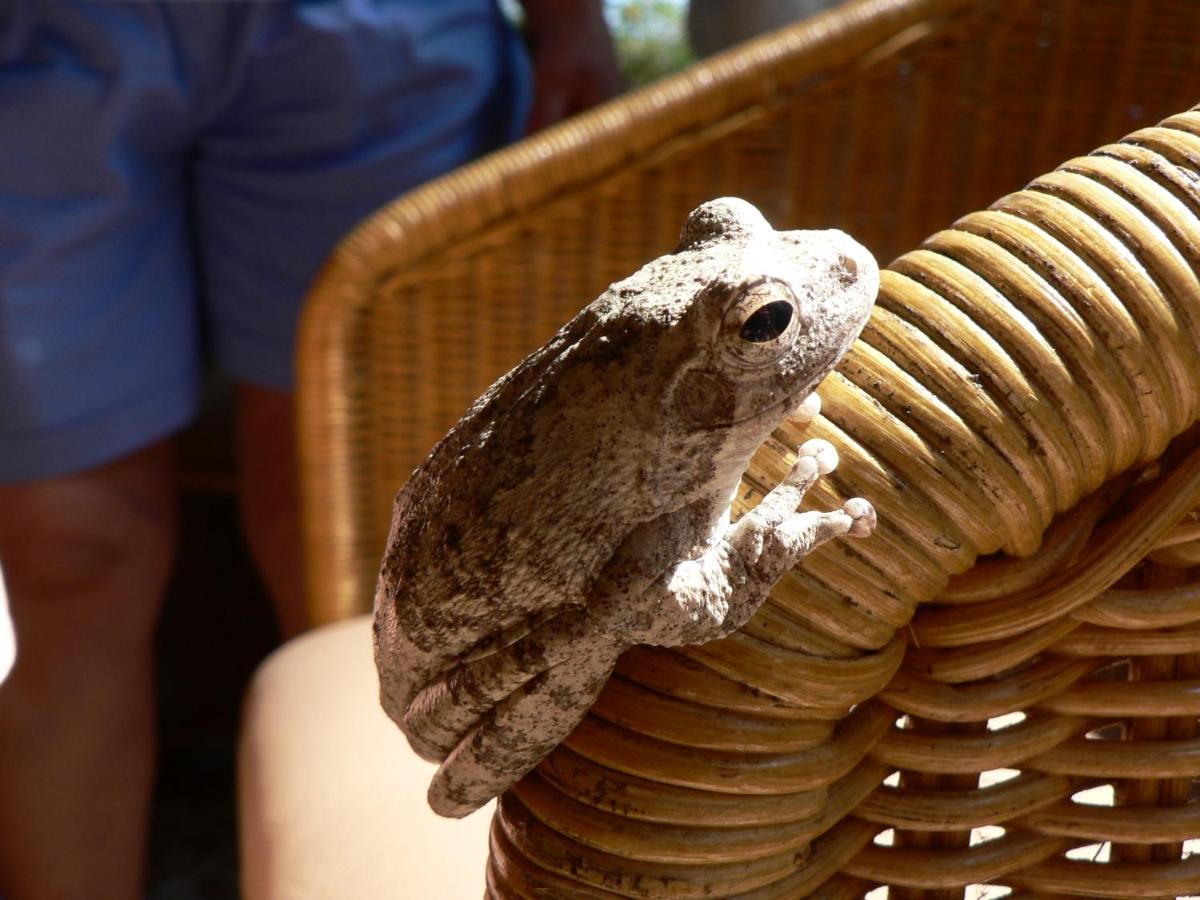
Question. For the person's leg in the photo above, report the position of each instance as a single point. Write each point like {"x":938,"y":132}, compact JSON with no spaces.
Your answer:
{"x":336,"y":112}
{"x":268,"y":498}
{"x":98,"y":367}
{"x":86,"y":558}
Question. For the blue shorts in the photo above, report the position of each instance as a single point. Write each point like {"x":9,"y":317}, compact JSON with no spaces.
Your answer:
{"x":172,"y":174}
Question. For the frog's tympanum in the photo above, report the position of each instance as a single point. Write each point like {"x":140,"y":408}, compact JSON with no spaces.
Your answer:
{"x":582,"y":505}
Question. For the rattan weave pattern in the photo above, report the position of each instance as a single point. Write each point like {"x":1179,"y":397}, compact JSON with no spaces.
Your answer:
{"x":1105,"y":679}
{"x":842,"y":122}
{"x":1017,"y":365}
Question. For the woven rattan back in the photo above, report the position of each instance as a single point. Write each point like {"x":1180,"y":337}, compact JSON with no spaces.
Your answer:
{"x":887,"y":119}
{"x":1017,"y":365}
{"x":1030,"y":724}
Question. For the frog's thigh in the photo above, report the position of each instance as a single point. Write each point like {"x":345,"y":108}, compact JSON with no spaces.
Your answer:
{"x":521,"y":730}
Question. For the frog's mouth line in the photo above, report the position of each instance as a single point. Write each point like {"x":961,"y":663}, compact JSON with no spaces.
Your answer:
{"x":789,"y":401}
{"x":779,"y":405}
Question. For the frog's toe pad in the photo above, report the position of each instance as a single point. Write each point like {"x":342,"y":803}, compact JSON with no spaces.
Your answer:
{"x":807,"y":410}
{"x":862,"y":516}
{"x":822,"y":452}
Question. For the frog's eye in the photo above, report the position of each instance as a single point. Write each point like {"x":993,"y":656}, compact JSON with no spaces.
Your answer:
{"x":761,"y":323}
{"x":767,"y":322}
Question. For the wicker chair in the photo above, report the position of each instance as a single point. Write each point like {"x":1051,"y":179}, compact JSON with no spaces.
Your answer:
{"x":1031,"y":372}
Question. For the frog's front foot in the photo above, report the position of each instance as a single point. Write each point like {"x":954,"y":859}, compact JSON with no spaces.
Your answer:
{"x":774,"y":536}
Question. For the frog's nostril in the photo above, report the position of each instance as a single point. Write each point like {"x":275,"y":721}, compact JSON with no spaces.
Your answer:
{"x":846,"y":271}
{"x":767,"y":322}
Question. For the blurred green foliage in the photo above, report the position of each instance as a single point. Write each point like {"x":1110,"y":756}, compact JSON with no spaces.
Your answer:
{"x":650,"y":38}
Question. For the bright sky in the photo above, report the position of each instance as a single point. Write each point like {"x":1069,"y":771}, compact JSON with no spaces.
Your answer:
{"x":8,"y":643}
{"x":612,"y":7}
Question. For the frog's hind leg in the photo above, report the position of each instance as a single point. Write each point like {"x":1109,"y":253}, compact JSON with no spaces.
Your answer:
{"x":520,"y":730}
{"x":441,"y":713}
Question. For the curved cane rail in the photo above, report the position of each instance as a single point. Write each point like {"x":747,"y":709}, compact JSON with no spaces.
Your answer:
{"x":1018,"y":363}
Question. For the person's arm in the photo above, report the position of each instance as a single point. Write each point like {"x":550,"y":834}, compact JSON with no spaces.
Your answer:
{"x":574,"y":66}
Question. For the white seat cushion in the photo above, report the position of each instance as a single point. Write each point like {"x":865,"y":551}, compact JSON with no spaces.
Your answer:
{"x":331,"y":800}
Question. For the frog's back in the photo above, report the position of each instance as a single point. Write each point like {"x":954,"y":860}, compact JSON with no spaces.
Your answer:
{"x":457,"y":563}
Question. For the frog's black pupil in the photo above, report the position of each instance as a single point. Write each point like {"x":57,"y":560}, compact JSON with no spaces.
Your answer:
{"x":767,"y":322}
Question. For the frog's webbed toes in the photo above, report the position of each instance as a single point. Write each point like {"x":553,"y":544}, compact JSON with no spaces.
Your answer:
{"x":815,"y":458}
{"x":447,"y":708}
{"x":517,"y":733}
{"x":775,"y":535}
{"x":802,"y":533}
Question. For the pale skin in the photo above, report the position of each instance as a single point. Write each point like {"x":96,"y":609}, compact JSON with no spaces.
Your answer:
{"x":87,"y":556}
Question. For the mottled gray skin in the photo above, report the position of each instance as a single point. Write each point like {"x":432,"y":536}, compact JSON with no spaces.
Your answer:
{"x":581,"y":506}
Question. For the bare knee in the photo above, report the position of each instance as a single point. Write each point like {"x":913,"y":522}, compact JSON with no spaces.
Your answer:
{"x":268,"y":497}
{"x":86,"y":556}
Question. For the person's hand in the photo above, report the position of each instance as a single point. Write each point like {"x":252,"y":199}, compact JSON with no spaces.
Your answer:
{"x":574,"y":66}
